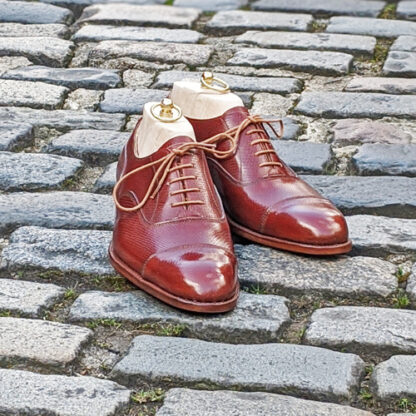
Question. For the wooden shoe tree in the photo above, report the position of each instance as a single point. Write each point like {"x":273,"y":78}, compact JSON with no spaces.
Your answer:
{"x":160,"y":123}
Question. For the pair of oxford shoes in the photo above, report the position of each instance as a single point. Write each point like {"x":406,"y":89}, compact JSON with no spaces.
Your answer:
{"x":172,"y":230}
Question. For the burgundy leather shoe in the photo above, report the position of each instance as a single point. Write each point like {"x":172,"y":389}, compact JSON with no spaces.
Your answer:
{"x":171,"y":237}
{"x":264,"y":199}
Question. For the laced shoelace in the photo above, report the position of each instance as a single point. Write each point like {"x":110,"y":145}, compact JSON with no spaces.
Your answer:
{"x":234,"y":135}
{"x":209,"y":146}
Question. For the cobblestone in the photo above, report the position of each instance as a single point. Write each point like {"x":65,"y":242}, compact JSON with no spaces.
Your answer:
{"x":385,"y":85}
{"x":385,"y":159}
{"x":153,"y":51}
{"x":304,"y":157}
{"x":129,"y":101}
{"x":345,"y":105}
{"x":411,"y":284}
{"x":40,"y":342}
{"x":32,"y":12}
{"x":239,"y":20}
{"x":279,"y":85}
{"x":107,"y":180}
{"x":179,"y":402}
{"x":256,"y":319}
{"x":31,"y":393}
{"x":384,"y":28}
{"x":352,"y":131}
{"x":66,"y":250}
{"x":357,"y":45}
{"x":63,"y":119}
{"x":212,"y":5}
{"x":28,"y":30}
{"x":72,"y":77}
{"x":100,"y":147}
{"x":315,"y":61}
{"x":13,"y":135}
{"x":378,"y":236}
{"x":390,"y":196}
{"x":290,"y":274}
{"x":268,"y":367}
{"x":27,"y":171}
{"x":131,"y":14}
{"x":40,"y":50}
{"x":404,"y":43}
{"x":400,"y":63}
{"x":363,"y":330}
{"x":55,"y":209}
{"x":31,"y":94}
{"x":95,"y":33}
{"x":395,"y":378}
{"x":323,"y":7}
{"x":28,"y":298}
{"x":406,"y":9}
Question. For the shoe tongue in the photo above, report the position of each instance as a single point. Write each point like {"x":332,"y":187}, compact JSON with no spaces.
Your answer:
{"x":235,"y":116}
{"x":175,"y":142}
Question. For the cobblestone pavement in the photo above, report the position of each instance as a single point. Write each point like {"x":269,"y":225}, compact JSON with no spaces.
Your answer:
{"x":322,"y":337}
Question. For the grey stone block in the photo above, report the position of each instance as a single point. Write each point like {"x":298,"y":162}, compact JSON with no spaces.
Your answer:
{"x":379,"y":195}
{"x":406,"y":9}
{"x":49,"y":51}
{"x":309,"y":61}
{"x":305,"y":371}
{"x":35,"y":30}
{"x":237,"y":21}
{"x":33,"y":12}
{"x":404,"y":43}
{"x":363,"y":330}
{"x":68,"y":77}
{"x":383,"y":28}
{"x":360,"y":105}
{"x":98,"y":147}
{"x":395,"y":378}
{"x":28,"y":298}
{"x":379,"y":236}
{"x":212,"y":5}
{"x":34,"y":394}
{"x":107,"y":180}
{"x":55,"y":209}
{"x":34,"y":171}
{"x":77,"y":6}
{"x":256,"y":319}
{"x":357,"y":45}
{"x":385,"y":85}
{"x":63,"y":119}
{"x":352,"y":131}
{"x":400,"y":64}
{"x":277,"y":85}
{"x":131,"y":14}
{"x":386,"y":159}
{"x":183,"y":53}
{"x":40,"y":342}
{"x":323,"y":7}
{"x":305,"y":157}
{"x":95,"y":33}
{"x":129,"y":101}
{"x":31,"y":94}
{"x":12,"y":62}
{"x":184,"y":402}
{"x":13,"y":135}
{"x":66,"y":250}
{"x":290,"y":274}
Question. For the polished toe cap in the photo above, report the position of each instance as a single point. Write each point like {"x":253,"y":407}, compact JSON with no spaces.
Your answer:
{"x":201,"y":273}
{"x":306,"y":220}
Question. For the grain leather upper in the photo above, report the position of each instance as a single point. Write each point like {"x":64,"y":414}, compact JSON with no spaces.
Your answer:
{"x":185,"y":250}
{"x":271,"y":199}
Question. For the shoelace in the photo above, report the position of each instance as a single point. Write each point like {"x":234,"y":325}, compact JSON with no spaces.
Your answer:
{"x":165,"y":168}
{"x":234,"y":134}
{"x":209,"y":146}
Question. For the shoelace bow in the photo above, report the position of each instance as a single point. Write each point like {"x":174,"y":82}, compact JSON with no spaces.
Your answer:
{"x":208,"y":146}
